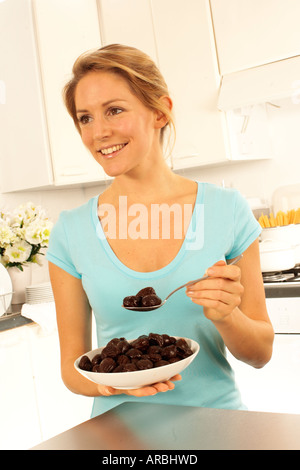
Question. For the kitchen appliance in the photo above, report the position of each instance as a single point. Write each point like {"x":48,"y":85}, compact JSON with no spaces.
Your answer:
{"x":276,"y":255}
{"x":276,"y":387}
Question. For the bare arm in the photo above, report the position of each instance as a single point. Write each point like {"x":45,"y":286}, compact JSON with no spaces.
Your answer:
{"x":233,"y":299}
{"x":74,"y":322}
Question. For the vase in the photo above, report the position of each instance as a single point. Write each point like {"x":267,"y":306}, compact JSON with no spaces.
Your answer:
{"x":20,"y":280}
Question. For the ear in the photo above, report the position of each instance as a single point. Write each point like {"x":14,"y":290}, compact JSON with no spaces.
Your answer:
{"x":161,"y":119}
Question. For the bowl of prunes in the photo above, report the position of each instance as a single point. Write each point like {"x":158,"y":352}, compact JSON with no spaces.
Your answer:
{"x":130,"y":364}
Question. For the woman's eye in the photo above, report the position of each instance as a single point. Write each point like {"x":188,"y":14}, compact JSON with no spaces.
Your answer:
{"x":114,"y":111}
{"x":85,"y":119}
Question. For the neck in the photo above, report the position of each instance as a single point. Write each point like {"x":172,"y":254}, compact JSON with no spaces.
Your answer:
{"x":145,"y":184}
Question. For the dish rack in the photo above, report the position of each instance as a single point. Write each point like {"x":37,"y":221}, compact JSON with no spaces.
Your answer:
{"x":5,"y":303}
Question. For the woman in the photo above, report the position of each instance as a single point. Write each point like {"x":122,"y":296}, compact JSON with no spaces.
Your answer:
{"x":113,"y":246}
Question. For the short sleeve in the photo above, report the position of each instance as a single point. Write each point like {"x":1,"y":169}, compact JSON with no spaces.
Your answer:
{"x":246,"y":228}
{"x":58,"y":251}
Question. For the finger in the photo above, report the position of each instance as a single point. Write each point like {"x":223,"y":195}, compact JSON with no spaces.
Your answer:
{"x":217,"y":284}
{"x":164,"y":386}
{"x":107,"y":391}
{"x":175,"y":378}
{"x":225,"y":271}
{"x":141,"y":392}
{"x":218,"y":300}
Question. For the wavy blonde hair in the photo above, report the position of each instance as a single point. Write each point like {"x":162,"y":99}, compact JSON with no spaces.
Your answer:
{"x":137,"y":68}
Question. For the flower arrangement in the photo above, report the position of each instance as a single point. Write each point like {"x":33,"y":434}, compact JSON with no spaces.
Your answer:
{"x":24,"y":234}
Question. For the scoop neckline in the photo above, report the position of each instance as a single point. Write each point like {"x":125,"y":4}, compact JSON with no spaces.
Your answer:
{"x":140,"y":274}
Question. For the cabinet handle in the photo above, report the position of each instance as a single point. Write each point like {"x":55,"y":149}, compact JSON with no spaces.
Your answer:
{"x":73,"y":171}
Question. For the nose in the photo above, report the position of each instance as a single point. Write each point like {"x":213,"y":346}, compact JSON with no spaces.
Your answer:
{"x":101,"y":128}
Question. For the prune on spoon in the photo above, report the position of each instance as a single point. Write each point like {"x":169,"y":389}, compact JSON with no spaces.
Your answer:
{"x":150,"y":300}
{"x":146,"y":291}
{"x":145,"y":297}
{"x":132,"y":301}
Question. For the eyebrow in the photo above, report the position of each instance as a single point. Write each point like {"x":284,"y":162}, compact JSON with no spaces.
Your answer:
{"x":103,"y":105}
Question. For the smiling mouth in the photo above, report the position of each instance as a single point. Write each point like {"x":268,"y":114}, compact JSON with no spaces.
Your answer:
{"x":112,"y":150}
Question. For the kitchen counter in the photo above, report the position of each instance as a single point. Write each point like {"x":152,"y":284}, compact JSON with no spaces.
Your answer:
{"x":13,"y":318}
{"x":138,"y":426}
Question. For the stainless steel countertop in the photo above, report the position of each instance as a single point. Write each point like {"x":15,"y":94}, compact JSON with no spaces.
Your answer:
{"x":141,"y":426}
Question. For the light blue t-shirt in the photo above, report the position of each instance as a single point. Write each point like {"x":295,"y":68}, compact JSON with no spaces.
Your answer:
{"x":222,"y":227}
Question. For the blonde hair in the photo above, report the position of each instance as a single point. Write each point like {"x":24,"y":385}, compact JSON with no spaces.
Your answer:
{"x":137,"y":68}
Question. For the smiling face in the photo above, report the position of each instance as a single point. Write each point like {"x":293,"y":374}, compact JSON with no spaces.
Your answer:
{"x":117,"y":128}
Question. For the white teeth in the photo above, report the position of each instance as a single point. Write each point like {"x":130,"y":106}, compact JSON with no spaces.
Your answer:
{"x":112,"y":149}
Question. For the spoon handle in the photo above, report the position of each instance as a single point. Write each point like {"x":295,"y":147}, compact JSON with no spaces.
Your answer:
{"x":190,"y":283}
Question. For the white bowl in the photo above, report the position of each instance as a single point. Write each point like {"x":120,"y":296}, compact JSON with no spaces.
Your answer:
{"x":140,"y":378}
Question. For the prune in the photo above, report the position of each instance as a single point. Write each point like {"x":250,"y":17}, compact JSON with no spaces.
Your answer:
{"x":97,"y":359}
{"x":155,"y":338}
{"x":129,"y":367}
{"x":155,"y":357}
{"x":143,"y":353}
{"x":145,"y":297}
{"x":109,"y":351}
{"x":150,"y":300}
{"x":107,"y":365}
{"x":154,"y":349}
{"x":123,"y":359}
{"x":146,"y":291}
{"x":168,"y":340}
{"x":122,"y":346}
{"x":144,"y":364}
{"x":134,"y":353}
{"x":142,"y":343}
{"x":183,"y":348}
{"x":169,"y":351}
{"x":161,"y":363}
{"x":132,"y":301}
{"x":85,"y":364}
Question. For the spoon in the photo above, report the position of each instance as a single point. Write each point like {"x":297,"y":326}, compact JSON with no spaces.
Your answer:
{"x":190,"y":283}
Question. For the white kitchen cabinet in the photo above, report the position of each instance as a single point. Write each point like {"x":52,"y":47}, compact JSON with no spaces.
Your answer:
{"x":250,"y":33}
{"x":59,"y":408}
{"x":35,"y":404}
{"x":187,"y":59}
{"x":39,"y":41}
{"x":19,"y":422}
{"x":128,"y":22}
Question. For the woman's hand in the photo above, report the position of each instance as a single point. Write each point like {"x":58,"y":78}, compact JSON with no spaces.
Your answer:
{"x":221,"y":293}
{"x":143,"y":391}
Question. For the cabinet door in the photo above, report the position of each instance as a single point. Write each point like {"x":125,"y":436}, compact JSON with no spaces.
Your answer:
{"x":187,"y":59}
{"x":24,"y":152}
{"x":59,"y":408}
{"x":256,"y":32}
{"x":19,"y":422}
{"x":128,"y":22}
{"x":65,"y":29}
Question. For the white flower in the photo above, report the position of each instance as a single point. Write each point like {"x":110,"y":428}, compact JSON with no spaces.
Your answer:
{"x":27,"y":213}
{"x":38,"y":232}
{"x":7,"y":236}
{"x":19,"y":252}
{"x":23,"y":235}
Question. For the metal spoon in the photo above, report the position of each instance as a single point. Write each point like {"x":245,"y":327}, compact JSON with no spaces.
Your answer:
{"x":190,"y":283}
